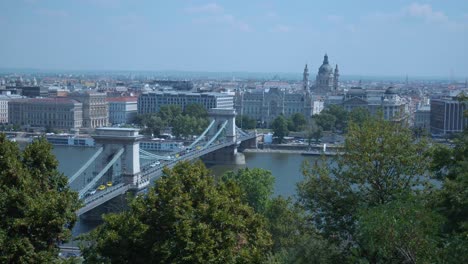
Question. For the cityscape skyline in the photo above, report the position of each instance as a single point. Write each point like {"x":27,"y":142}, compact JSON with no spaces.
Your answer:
{"x":376,"y":38}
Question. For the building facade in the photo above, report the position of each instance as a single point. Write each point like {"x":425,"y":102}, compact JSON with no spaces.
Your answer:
{"x":59,"y":113}
{"x":95,"y":108}
{"x":30,"y":91}
{"x":151,"y":102}
{"x":447,"y":116}
{"x":422,"y":117}
{"x":266,"y":104}
{"x":392,"y":106}
{"x":327,"y":79}
{"x":122,"y":110}
{"x":4,"y":99}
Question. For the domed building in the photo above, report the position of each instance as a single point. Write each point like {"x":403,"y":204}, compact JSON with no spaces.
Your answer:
{"x":327,"y":78}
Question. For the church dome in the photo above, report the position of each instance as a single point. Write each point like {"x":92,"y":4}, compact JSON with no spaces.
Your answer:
{"x":325,"y":68}
{"x":391,"y":90}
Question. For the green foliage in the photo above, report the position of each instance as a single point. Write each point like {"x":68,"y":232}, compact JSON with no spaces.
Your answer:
{"x":359,"y":115}
{"x":168,"y":113}
{"x":451,"y":166}
{"x":256,"y":185}
{"x":193,"y":121}
{"x":380,"y":161}
{"x":196,"y":110}
{"x":326,"y":121}
{"x":404,"y":230}
{"x":245,"y":122}
{"x":298,"y":122}
{"x":185,"y":126}
{"x":185,"y":218}
{"x":280,"y":128}
{"x":287,"y":224}
{"x":152,"y":123}
{"x":340,"y":114}
{"x":37,"y":208}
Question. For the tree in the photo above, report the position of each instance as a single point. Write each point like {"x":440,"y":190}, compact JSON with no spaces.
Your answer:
{"x":152,"y":124}
{"x":298,"y":121}
{"x":280,"y":128}
{"x":245,"y":122}
{"x":380,"y":162}
{"x":340,"y":114}
{"x":451,"y":167}
{"x":256,"y":185}
{"x":184,"y":126}
{"x":326,"y":121}
{"x":404,"y":230}
{"x":294,"y":239}
{"x":37,"y":208}
{"x":196,"y":110}
{"x":168,"y":113}
{"x":185,"y":218}
{"x":358,"y":115}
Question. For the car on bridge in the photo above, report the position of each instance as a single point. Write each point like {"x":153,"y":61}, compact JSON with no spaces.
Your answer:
{"x":109,"y":184}
{"x":156,"y":163}
{"x":101,"y":187}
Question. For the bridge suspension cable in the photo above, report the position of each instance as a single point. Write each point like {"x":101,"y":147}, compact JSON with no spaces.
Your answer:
{"x":85,"y":166}
{"x":103,"y":171}
{"x":202,"y":135}
{"x":216,"y":135}
{"x":149,"y":155}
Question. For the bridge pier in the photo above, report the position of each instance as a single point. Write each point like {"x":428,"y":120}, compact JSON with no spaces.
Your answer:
{"x":128,"y":165}
{"x":227,"y":155}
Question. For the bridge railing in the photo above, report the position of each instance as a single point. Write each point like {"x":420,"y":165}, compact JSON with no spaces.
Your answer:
{"x":100,"y":194}
{"x":149,"y":173}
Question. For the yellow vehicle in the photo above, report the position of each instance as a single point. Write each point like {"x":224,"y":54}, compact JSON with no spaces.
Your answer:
{"x":198,"y":147}
{"x":109,"y":184}
{"x":101,"y":187}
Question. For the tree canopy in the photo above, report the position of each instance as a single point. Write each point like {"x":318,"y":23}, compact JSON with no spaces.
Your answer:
{"x":37,"y":208}
{"x":245,"y":122}
{"x":381,"y":161}
{"x":185,"y":218}
{"x":192,"y":121}
{"x":256,"y":184}
{"x":280,"y":128}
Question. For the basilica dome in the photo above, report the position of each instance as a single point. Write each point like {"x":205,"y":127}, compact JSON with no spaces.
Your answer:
{"x":325,"y":68}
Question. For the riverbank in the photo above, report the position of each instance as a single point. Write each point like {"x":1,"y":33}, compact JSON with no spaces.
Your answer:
{"x":284,"y":151}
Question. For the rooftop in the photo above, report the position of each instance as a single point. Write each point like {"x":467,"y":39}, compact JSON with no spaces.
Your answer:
{"x":122,"y":99}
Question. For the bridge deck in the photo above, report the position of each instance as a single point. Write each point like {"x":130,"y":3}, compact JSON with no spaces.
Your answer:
{"x":150,"y":174}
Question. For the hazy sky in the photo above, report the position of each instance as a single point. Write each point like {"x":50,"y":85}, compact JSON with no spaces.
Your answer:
{"x":364,"y":37}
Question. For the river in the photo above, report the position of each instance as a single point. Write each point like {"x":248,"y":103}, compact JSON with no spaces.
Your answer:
{"x":286,"y":168}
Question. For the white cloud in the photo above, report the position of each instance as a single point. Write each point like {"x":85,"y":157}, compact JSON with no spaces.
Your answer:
{"x":426,"y":12}
{"x":335,"y":19}
{"x":281,"y":29}
{"x":54,"y":13}
{"x":214,"y":13}
{"x":419,"y":12}
{"x":211,"y":8}
{"x":129,"y":22}
{"x":271,"y":14}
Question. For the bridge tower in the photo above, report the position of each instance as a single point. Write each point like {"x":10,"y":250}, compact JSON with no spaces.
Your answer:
{"x":121,"y":148}
{"x":224,"y":118}
{"x":220,"y":115}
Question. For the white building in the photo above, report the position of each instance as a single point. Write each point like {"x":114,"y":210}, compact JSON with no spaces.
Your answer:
{"x":122,"y":110}
{"x":151,"y":102}
{"x":422,"y":117}
{"x":4,"y":99}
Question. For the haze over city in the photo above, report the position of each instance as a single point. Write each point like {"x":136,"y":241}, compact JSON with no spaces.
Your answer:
{"x":384,"y":38}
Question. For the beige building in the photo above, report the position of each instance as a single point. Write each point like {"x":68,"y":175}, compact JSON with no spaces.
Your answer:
{"x":95,"y":108}
{"x":60,"y":113}
{"x":4,"y":99}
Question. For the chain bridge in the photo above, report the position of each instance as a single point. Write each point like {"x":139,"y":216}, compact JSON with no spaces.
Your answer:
{"x":118,"y":156}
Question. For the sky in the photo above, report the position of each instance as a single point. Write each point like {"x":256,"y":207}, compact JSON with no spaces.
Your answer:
{"x":364,"y":37}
